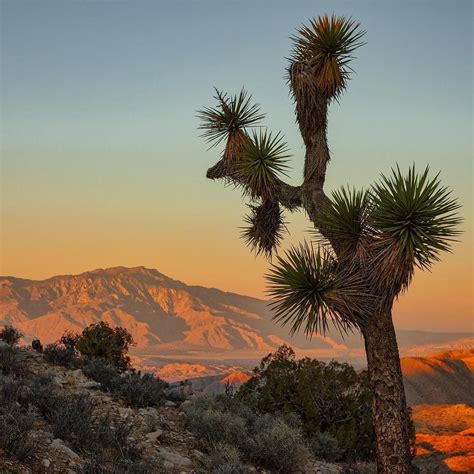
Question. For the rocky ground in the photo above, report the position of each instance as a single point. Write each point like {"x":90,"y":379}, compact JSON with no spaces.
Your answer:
{"x":160,"y":432}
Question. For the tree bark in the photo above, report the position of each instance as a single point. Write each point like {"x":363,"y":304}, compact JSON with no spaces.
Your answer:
{"x":390,"y":414}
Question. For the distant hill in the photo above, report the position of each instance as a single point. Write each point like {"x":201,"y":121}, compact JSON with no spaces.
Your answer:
{"x":444,"y":438}
{"x":182,"y":331}
{"x":445,"y":378}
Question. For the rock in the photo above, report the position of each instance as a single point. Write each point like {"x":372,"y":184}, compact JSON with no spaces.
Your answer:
{"x":46,"y":463}
{"x":197,"y":454}
{"x":326,"y":468}
{"x":185,"y":404}
{"x":58,"y":445}
{"x":174,"y":458}
{"x":58,"y":381}
{"x":168,"y":465}
{"x":148,"y":411}
{"x":125,"y":412}
{"x":77,"y":374}
{"x":154,"y":435}
{"x":4,"y":345}
{"x":36,"y":345}
{"x":90,"y":384}
{"x":169,"y":403}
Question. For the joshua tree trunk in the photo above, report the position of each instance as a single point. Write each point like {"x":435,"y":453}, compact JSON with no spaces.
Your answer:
{"x":390,"y":414}
{"x":377,"y":238}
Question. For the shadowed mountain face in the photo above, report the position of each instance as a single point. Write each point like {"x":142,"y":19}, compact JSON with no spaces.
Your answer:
{"x":172,"y":321}
{"x":440,"y":378}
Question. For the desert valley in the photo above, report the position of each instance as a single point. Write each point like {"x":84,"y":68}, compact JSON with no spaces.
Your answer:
{"x":213,"y":338}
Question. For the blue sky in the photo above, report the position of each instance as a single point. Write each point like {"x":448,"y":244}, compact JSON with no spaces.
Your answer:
{"x":102,"y":163}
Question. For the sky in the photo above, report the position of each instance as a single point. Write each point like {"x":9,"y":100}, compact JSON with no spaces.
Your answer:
{"x":102,"y":163}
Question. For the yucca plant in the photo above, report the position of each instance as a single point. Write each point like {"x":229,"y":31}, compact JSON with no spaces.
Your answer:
{"x":229,"y":121}
{"x":325,"y":47}
{"x":368,"y":244}
{"x":263,"y":158}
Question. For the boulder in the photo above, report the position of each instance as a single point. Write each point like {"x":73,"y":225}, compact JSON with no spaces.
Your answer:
{"x":91,"y":384}
{"x":59,"y":445}
{"x":174,"y":458}
{"x":58,"y":381}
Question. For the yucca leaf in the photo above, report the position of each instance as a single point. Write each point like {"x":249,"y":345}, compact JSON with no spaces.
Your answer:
{"x":231,"y":114}
{"x":345,"y":217}
{"x":415,"y":218}
{"x":265,"y":227}
{"x":263,"y":159}
{"x":326,"y":46}
{"x":309,"y":292}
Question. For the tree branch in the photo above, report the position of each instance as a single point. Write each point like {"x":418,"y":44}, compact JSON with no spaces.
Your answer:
{"x":287,"y":195}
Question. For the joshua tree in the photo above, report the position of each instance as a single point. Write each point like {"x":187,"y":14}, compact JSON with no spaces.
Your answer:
{"x":367,"y":244}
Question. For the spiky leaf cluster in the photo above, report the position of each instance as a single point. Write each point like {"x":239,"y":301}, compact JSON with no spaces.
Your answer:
{"x":326,"y":46}
{"x":265,"y":227}
{"x":346,"y":216}
{"x":262,"y":160}
{"x":416,"y":219}
{"x":232,"y":114}
{"x":309,"y":291}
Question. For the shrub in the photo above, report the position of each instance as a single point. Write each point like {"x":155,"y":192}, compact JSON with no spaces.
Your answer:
{"x":18,"y":391}
{"x":10,"y":361}
{"x":112,"y":344}
{"x":17,"y":418}
{"x":134,"y":388}
{"x":141,"y":390}
{"x":278,"y":447}
{"x":71,"y":417}
{"x":267,"y":440}
{"x":225,"y":459}
{"x":331,"y":398}
{"x":103,"y":372}
{"x":10,"y":335}
{"x":121,"y":464}
{"x":213,"y":426}
{"x":58,"y":354}
{"x":16,"y":424}
{"x":324,"y":446}
{"x":41,"y":392}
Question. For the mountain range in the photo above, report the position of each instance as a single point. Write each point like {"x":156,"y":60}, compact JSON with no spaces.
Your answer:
{"x":180,"y":330}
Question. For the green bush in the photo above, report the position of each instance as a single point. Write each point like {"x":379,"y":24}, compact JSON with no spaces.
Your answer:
{"x":57,"y":354}
{"x":103,"y":372}
{"x":277,"y":446}
{"x":16,"y":425}
{"x":10,"y":361}
{"x":134,"y":388}
{"x":324,"y":446}
{"x":101,"y":341}
{"x":213,"y":425}
{"x":329,"y":398}
{"x":10,"y":335}
{"x":71,"y":417}
{"x":141,"y":390}
{"x":225,"y":459}
{"x":265,"y":440}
